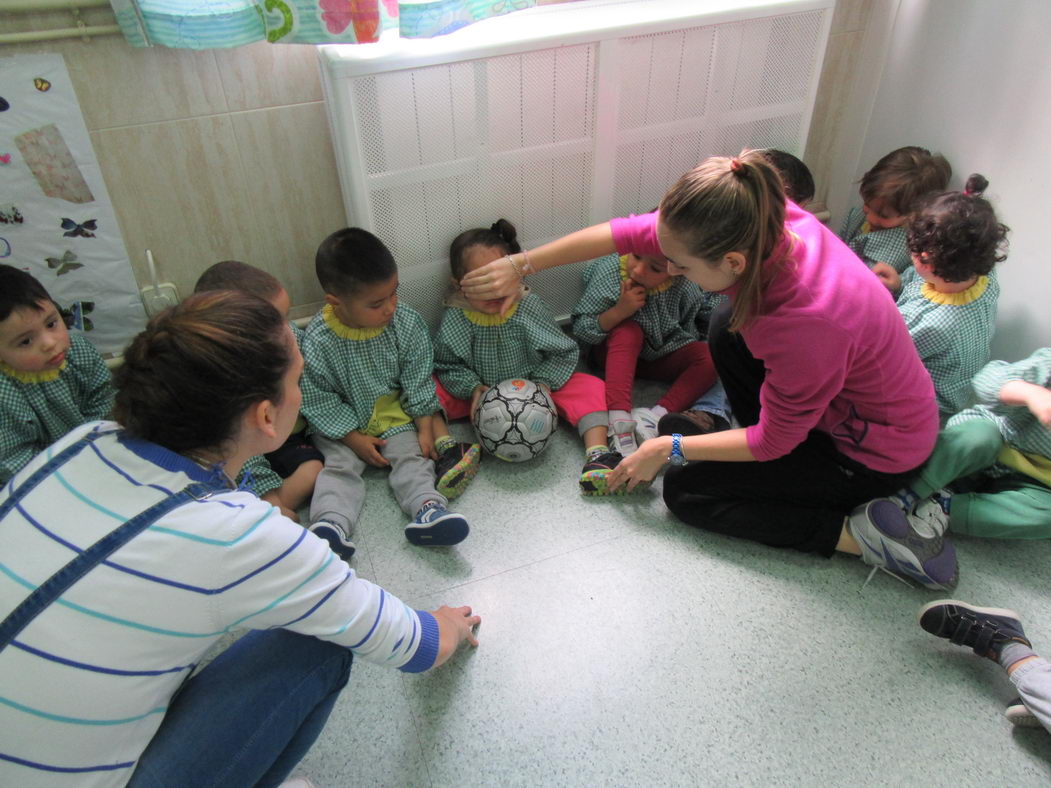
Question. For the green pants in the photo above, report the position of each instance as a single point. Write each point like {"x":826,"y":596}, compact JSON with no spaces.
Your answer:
{"x":1006,"y":507}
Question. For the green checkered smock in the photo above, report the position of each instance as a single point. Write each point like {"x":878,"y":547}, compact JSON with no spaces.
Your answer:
{"x":38,"y":408}
{"x":265,"y":478}
{"x":473,"y":348}
{"x":1019,"y":427}
{"x":875,"y":246}
{"x":952,"y":332}
{"x":347,"y":372}
{"x":668,"y":318}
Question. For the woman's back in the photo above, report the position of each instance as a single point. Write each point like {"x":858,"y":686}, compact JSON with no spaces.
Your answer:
{"x":838,"y":358}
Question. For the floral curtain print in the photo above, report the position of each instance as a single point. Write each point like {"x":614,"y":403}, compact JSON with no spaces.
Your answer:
{"x":210,"y":24}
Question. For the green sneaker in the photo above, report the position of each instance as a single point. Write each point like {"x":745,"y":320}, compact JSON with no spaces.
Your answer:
{"x":594,"y":478}
{"x":455,"y":468}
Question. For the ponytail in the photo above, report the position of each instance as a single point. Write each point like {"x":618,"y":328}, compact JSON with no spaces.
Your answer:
{"x":730,"y":205}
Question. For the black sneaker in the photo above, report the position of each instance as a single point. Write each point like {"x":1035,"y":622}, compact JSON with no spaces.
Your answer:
{"x":1018,"y":714}
{"x":691,"y":422}
{"x":984,"y":629}
{"x":455,"y":468}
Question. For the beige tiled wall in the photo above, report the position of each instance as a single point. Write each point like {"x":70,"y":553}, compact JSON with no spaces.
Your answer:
{"x":226,"y":153}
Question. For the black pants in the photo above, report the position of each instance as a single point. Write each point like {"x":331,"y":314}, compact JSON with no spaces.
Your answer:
{"x":798,"y":500}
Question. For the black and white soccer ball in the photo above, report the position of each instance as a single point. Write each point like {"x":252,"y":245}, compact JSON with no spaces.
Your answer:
{"x":515,"y":419}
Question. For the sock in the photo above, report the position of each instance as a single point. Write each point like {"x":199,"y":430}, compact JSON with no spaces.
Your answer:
{"x":1013,"y":652}
{"x":619,"y":415}
{"x":905,"y":498}
{"x":443,"y":443}
{"x":591,"y":452}
{"x":659,"y":410}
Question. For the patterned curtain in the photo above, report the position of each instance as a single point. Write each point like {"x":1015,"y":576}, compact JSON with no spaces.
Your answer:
{"x":210,"y":24}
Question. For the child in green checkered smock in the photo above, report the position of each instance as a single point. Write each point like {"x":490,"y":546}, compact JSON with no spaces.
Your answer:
{"x":370,"y":399}
{"x":995,"y":455}
{"x":50,"y":380}
{"x":890,"y":192}
{"x":284,"y":477}
{"x":639,"y":319}
{"x":948,"y":299}
{"x":478,"y":347}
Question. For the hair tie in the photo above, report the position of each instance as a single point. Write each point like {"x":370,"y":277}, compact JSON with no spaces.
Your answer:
{"x":735,"y":165}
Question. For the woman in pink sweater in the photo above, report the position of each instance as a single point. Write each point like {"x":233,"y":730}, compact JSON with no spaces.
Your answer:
{"x":835,"y":406}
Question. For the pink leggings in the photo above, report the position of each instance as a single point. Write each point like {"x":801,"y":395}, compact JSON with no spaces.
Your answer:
{"x":581,"y":402}
{"x":689,"y":369}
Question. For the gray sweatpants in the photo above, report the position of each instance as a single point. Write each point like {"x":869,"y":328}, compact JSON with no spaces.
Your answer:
{"x":339,"y":493}
{"x":1033,"y":680}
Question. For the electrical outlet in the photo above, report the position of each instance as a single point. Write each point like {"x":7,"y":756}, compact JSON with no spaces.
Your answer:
{"x":157,"y":299}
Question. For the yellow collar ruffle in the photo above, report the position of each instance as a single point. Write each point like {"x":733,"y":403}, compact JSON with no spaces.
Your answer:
{"x":341,"y":329}
{"x":483,"y":319}
{"x":971,"y":294}
{"x":653,"y":290}
{"x":32,"y":377}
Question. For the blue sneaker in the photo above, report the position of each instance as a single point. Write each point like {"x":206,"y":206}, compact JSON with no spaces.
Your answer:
{"x":889,"y":540}
{"x":436,"y":526}
{"x":337,"y":538}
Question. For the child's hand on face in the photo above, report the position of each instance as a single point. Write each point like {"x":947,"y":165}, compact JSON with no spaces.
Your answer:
{"x":886,"y":274}
{"x":632,"y":297}
{"x":367,"y":447}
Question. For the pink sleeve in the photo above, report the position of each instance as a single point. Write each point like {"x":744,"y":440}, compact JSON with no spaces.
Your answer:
{"x":636,"y":234}
{"x":806,"y":364}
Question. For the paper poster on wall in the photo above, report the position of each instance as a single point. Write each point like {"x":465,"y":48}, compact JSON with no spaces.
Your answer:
{"x":56,"y":220}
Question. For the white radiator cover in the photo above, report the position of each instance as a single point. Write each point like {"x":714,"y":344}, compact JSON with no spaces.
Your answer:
{"x":557,"y":118}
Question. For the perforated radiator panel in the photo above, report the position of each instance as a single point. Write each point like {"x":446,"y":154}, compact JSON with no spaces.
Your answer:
{"x":557,"y":137}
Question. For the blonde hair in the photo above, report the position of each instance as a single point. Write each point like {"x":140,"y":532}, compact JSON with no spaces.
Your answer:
{"x":730,"y":205}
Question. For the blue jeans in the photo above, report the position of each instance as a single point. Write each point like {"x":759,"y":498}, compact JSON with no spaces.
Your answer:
{"x":249,"y":716}
{"x":714,"y":401}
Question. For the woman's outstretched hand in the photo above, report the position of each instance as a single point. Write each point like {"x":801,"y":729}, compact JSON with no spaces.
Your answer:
{"x":497,"y":279}
{"x":643,"y":465}
{"x":455,"y":625}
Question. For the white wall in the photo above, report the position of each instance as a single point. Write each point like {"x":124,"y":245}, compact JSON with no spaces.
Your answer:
{"x":972,"y":79}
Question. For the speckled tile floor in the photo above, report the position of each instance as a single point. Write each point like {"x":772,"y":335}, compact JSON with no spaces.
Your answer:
{"x":620,"y":647}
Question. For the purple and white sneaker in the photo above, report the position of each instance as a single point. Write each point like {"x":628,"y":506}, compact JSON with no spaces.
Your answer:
{"x":890,"y":540}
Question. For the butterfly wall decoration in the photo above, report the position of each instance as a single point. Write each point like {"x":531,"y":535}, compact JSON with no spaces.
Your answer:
{"x":84,"y":230}
{"x":66,"y":263}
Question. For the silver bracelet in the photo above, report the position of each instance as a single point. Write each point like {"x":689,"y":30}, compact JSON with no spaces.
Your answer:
{"x":514,"y":265}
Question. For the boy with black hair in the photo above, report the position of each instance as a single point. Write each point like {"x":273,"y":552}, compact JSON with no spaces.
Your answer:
{"x":370,"y":399}
{"x":796,"y":176}
{"x":50,"y":380}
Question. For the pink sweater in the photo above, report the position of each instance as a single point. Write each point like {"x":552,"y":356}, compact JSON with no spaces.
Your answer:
{"x":837,"y":354}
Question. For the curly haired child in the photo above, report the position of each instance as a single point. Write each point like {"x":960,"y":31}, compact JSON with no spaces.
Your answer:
{"x":948,"y":298}
{"x":890,"y":191}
